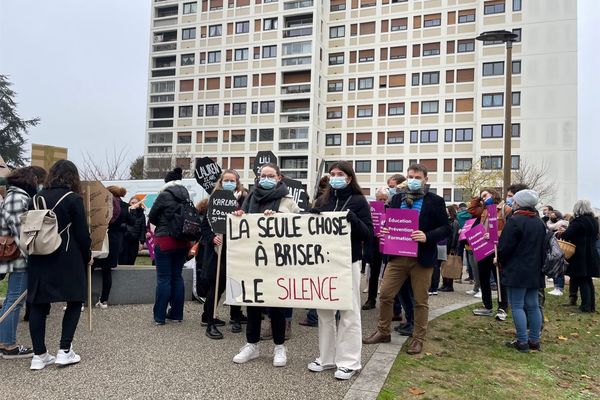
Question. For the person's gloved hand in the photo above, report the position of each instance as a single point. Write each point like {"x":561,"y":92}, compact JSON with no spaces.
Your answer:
{"x":351,"y":217}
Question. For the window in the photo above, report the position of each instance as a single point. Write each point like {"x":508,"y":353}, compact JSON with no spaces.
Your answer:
{"x":466,"y":16}
{"x":465,"y":46}
{"x":461,"y":195}
{"x":518,"y":33}
{"x":186,"y":111}
{"x":269,"y":51}
{"x":184,"y":137}
{"x":336,"y":59}
{"x":395,"y":109}
{"x":395,"y":137}
{"x":337,"y":32}
{"x":189,"y":33}
{"x":239,"y":109}
{"x":337,"y":5}
{"x":241,"y":54}
{"x":160,"y":137}
{"x":493,"y":100}
{"x":240,"y":81}
{"x":495,"y":8}
{"x":333,"y":139}
{"x":267,"y":107}
{"x":415,"y":79}
{"x":365,"y":83}
{"x":242,"y":27}
{"x":238,"y":136}
{"x":190,"y":8}
{"x":363,"y":139}
{"x":462,"y":164}
{"x":429,"y":136}
{"x":265,"y":135}
{"x":431,"y":78}
{"x":516,"y":67}
{"x":491,"y":162}
{"x":414,"y":136}
{"x":397,"y":53}
{"x":492,"y":131}
{"x":431,"y":49}
{"x":201,"y":110}
{"x":363,"y":166}
{"x":215,"y":30}
{"x":449,"y":106}
{"x":464,"y":135}
{"x":296,"y":48}
{"x":366,"y":55}
{"x":293,"y":133}
{"x":269,"y":24}
{"x":515,"y":130}
{"x":162,"y":87}
{"x":395,"y":166}
{"x":517,"y":5}
{"x":516,"y":98}
{"x":448,"y":135}
{"x":399,"y":24}
{"x":334,"y":113}
{"x":364,"y":111}
{"x":432,"y":20}
{"x":214,"y":57}
{"x":188,"y":59}
{"x":212,"y":110}
{"x":335,"y":86}
{"x":515,"y":162}
{"x":429,"y":107}
{"x":493,"y":68}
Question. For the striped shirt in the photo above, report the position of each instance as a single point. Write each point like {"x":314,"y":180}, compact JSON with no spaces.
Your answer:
{"x":417,"y":204}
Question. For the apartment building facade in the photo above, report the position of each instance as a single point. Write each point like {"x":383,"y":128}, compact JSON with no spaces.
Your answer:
{"x":380,"y":83}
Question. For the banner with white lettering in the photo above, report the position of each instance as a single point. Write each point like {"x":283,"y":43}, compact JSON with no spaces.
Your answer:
{"x":289,"y":260}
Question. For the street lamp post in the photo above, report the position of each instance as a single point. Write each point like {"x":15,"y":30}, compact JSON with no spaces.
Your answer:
{"x":506,"y":37}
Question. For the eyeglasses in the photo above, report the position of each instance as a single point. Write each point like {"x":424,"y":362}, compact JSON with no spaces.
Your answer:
{"x":268,"y":176}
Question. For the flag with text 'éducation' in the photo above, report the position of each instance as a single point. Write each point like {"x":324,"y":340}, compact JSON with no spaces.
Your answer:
{"x":289,"y":260}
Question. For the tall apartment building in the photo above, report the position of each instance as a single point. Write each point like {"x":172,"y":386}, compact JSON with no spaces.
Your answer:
{"x":380,"y":83}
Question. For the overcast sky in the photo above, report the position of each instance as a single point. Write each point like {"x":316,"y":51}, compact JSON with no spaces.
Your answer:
{"x":82,"y":67}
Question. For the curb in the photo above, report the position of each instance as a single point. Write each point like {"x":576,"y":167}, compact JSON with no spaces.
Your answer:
{"x":373,"y":376}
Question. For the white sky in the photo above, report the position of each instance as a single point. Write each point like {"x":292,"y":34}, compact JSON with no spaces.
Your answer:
{"x":81,"y":66}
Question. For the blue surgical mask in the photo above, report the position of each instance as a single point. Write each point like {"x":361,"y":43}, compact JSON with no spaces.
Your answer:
{"x":229,"y":185}
{"x":392,"y":191}
{"x":413,"y":184}
{"x":338,"y":182}
{"x":489,"y":201}
{"x":267,"y":183}
{"x":509,"y":201}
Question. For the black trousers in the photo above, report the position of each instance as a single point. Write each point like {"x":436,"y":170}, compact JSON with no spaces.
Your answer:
{"x":106,"y":283}
{"x":586,"y":290}
{"x":208,"y":315}
{"x":375,"y":267}
{"x":37,"y":325}
{"x":486,"y":270}
{"x":277,"y":324}
{"x":435,"y":277}
{"x":129,"y":252}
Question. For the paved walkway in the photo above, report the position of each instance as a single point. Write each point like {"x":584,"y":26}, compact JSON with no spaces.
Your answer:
{"x":127,"y":357}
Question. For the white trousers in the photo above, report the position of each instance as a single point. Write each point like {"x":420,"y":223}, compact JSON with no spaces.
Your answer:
{"x":340,"y":343}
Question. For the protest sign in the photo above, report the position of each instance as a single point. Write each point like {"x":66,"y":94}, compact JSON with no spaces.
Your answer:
{"x":220,"y":203}
{"x":377,"y":215}
{"x":207,"y":173}
{"x":493,"y":222}
{"x":98,"y":204}
{"x":290,"y":260}
{"x":45,"y":156}
{"x":481,"y":247}
{"x":297,"y":191}
{"x":468,"y":225}
{"x":262,"y":158}
{"x":401,"y":223}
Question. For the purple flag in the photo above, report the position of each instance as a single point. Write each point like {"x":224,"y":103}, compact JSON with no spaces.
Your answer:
{"x":401,"y":224}
{"x":493,"y":222}
{"x":468,"y":225}
{"x":481,"y":247}
{"x":377,"y":215}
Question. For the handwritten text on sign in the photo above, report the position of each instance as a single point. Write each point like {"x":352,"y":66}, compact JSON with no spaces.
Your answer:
{"x":289,"y":260}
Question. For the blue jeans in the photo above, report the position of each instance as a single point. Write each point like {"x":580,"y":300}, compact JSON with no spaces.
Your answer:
{"x":559,"y":282}
{"x":17,"y":284}
{"x":169,"y":284}
{"x":525,"y":311}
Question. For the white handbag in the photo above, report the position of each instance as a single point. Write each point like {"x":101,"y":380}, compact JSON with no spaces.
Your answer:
{"x":105,"y":249}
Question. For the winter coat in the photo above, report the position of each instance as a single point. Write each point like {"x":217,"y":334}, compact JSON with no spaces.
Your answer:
{"x":453,"y":242}
{"x":583,"y":233}
{"x":15,"y":204}
{"x":61,"y":276}
{"x":362,"y":226}
{"x":462,"y":217}
{"x":522,"y":251}
{"x":167,"y":202}
{"x":116,"y":230}
{"x":433,"y":221}
{"x":135,"y":230}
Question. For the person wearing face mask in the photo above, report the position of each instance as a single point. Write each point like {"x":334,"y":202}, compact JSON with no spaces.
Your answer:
{"x":269,"y":196}
{"x":229,"y":181}
{"x":339,"y":342}
{"x":433,"y":227}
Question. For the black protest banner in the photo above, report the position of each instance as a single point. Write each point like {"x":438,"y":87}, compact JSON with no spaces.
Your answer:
{"x":220,"y":203}
{"x":297,"y":191}
{"x":207,"y":173}
{"x":262,"y":158}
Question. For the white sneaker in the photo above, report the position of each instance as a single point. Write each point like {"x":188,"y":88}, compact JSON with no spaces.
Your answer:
{"x":556,"y":292}
{"x":64,"y":358}
{"x":101,"y":305}
{"x":316,"y":366}
{"x":247,"y":353}
{"x":82,"y":308}
{"x":344,"y":373}
{"x":279,"y":356}
{"x":366,"y":290}
{"x":471,"y":292}
{"x":40,"y":362}
{"x":477,"y":295}
{"x":501,"y":315}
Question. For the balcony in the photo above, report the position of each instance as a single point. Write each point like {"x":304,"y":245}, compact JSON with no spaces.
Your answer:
{"x":163,"y":72}
{"x":295,"y":89}
{"x":297,"y":32}
{"x":298,"y":25}
{"x":286,"y":62}
{"x":290,"y":5}
{"x":169,"y":11}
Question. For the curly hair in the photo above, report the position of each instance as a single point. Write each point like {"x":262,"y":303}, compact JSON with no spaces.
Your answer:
{"x":64,"y":174}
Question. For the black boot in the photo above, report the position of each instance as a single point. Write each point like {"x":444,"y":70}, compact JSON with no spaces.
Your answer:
{"x":369,"y":305}
{"x":236,"y":327}
{"x":212,"y":332}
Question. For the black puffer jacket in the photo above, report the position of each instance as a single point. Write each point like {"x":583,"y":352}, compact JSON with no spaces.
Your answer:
{"x":165,"y":206}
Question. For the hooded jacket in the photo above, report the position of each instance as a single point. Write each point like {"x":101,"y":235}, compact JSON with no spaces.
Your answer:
{"x":167,"y":202}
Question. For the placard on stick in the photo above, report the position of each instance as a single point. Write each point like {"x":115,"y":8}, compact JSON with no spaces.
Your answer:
{"x":297,"y":191}
{"x":220,"y":203}
{"x":98,"y":204}
{"x":207,"y":173}
{"x":262,"y":158}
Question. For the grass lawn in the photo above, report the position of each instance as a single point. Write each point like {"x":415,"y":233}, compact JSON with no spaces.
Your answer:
{"x":143,"y":260}
{"x":465,"y":358}
{"x":3,"y":285}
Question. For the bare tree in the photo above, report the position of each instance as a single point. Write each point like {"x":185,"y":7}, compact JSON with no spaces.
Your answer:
{"x":113,"y":166}
{"x":476,"y":179}
{"x":537,"y":177}
{"x":136,"y":169}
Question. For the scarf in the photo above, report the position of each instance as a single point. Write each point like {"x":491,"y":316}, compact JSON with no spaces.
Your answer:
{"x":262,"y":199}
{"x":411,"y":196}
{"x":526,"y":212}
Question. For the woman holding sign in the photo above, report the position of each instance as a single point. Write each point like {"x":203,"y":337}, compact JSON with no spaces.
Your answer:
{"x":341,"y":347}
{"x":270,"y":196}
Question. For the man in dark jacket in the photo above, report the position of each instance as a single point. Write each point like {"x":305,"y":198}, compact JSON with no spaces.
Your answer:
{"x":433,"y":227}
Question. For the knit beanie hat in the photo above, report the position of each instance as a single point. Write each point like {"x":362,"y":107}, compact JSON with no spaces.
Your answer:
{"x":175,"y":175}
{"x":526,"y":198}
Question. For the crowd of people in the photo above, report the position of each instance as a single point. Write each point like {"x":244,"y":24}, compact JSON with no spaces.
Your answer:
{"x":402,"y":285}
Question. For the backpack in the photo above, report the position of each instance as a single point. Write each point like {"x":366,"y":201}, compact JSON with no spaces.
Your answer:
{"x":185,"y":224}
{"x":39,"y":228}
{"x":554,"y":264}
